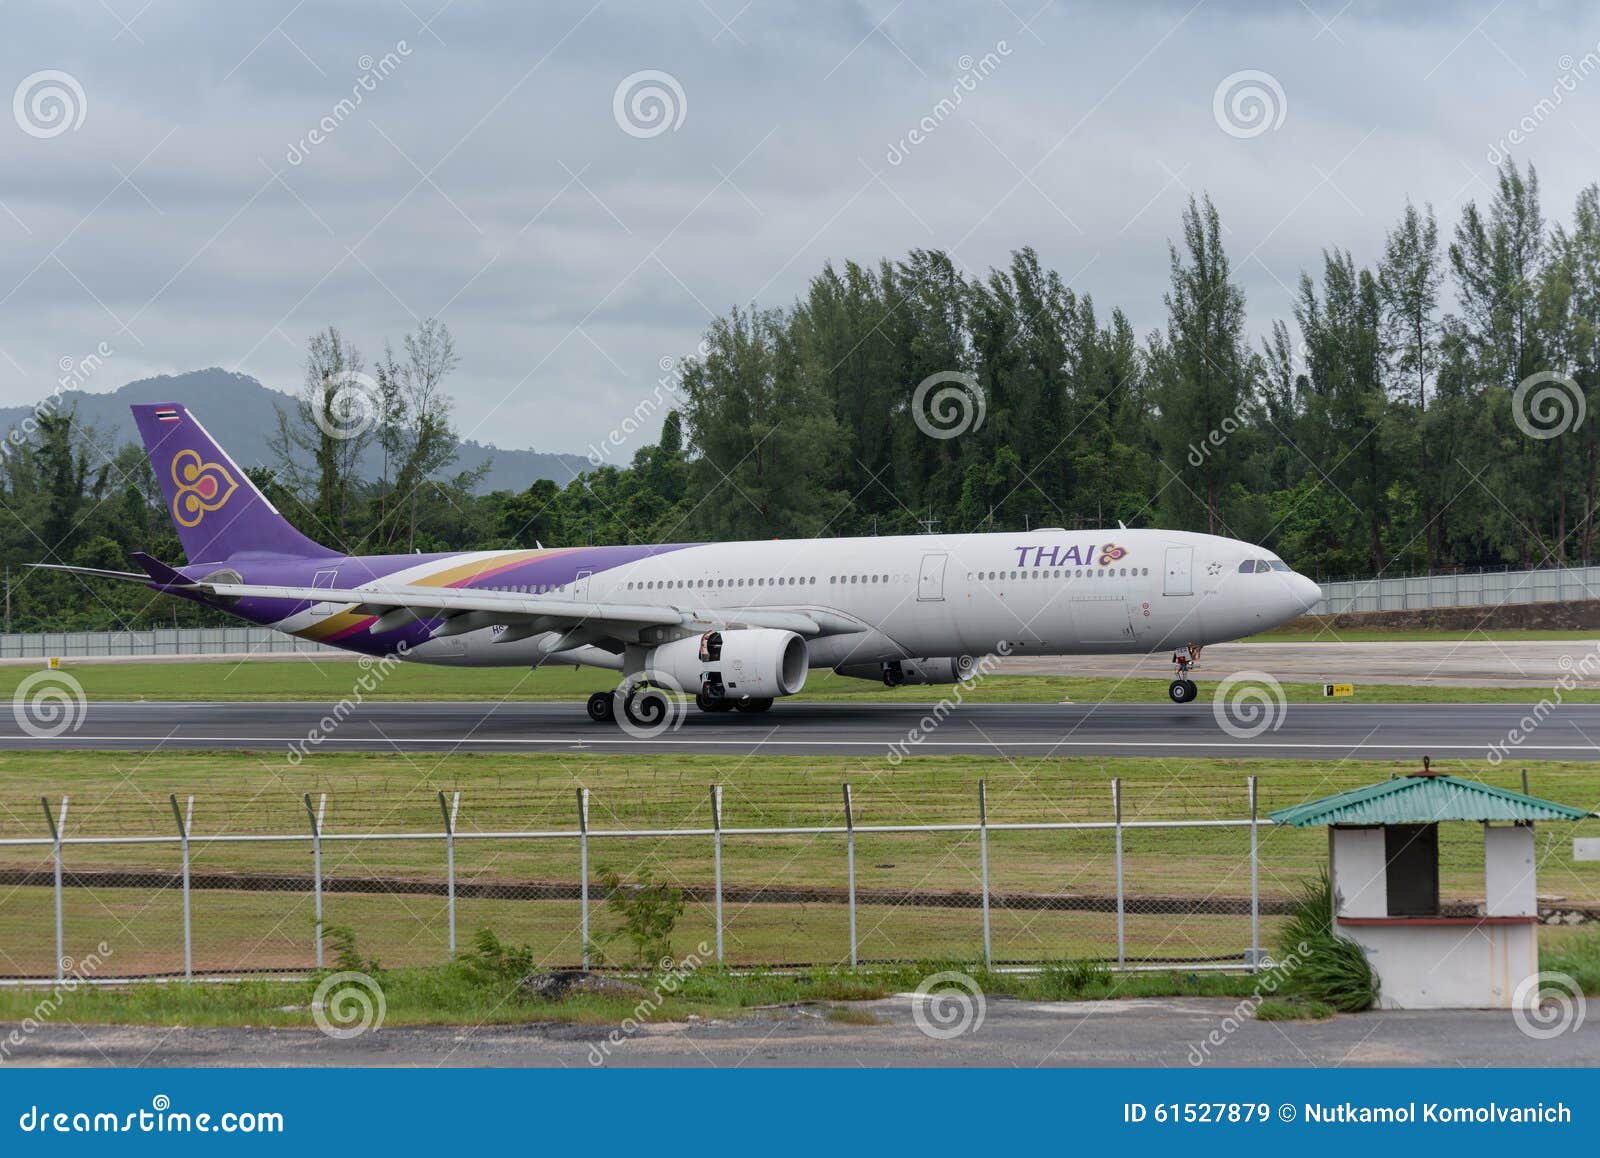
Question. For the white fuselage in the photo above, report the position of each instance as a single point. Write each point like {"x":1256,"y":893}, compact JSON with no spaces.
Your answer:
{"x":1042,"y":592}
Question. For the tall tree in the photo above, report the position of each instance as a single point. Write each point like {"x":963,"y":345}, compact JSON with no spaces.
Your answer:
{"x":330,"y":425}
{"x":1202,"y":374}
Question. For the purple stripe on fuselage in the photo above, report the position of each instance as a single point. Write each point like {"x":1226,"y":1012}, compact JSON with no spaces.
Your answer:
{"x":560,"y":567}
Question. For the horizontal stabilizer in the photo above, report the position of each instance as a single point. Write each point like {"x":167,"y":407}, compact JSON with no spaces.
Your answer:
{"x":97,"y":572}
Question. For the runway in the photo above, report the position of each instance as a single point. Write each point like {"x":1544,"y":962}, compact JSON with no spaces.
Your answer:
{"x":1333,"y":730}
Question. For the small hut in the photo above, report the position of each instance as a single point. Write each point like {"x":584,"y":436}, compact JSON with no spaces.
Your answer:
{"x":1383,"y":861}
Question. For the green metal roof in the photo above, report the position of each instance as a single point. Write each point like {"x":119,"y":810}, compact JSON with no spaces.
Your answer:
{"x":1423,"y":800}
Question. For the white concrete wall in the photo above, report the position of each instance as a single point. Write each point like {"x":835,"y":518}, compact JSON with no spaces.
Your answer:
{"x":1356,"y":859}
{"x":1447,"y":966}
{"x":1508,"y":871}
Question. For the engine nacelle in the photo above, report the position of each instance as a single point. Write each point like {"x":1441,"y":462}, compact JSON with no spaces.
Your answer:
{"x":749,"y":663}
{"x":944,"y":670}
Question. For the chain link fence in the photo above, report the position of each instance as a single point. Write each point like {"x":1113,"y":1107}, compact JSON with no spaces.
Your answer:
{"x":1192,"y":879}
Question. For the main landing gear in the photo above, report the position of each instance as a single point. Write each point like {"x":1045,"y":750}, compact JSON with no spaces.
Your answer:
{"x":645,"y":706}
{"x":1183,"y":689}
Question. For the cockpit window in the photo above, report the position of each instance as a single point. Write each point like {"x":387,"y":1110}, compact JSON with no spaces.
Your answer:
{"x":1257,"y":566}
{"x":1248,"y":567}
{"x":1279,"y":565}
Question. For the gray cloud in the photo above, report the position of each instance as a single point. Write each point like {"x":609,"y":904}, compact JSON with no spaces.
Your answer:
{"x":486,"y":180}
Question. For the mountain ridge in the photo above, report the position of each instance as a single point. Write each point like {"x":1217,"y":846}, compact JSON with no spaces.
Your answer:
{"x":240,"y":412}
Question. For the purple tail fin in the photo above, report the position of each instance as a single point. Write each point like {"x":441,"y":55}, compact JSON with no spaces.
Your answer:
{"x":215,"y":508}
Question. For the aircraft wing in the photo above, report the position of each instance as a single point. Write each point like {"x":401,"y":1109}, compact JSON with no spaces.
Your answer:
{"x":474,"y":608}
{"x":579,"y":622}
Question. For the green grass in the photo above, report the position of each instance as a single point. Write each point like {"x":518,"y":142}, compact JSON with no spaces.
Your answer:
{"x":455,"y":994}
{"x":1578,"y":956}
{"x":260,"y":792}
{"x":1279,"y":1009}
{"x":333,"y":681}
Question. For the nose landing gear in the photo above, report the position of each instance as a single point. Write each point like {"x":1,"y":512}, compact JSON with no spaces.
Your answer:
{"x":1183,"y":689}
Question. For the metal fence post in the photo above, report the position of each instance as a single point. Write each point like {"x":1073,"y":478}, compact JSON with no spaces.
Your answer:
{"x":1255,"y":880}
{"x":58,"y":828}
{"x":184,"y":821}
{"x":1122,"y":932}
{"x":449,"y":814}
{"x":315,"y":815}
{"x":850,"y":869}
{"x":983,"y":866}
{"x":583,"y":872}
{"x":716,"y":858}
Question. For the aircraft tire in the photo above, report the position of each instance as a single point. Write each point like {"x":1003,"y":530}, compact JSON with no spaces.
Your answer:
{"x":602,"y":707}
{"x":646,"y":707}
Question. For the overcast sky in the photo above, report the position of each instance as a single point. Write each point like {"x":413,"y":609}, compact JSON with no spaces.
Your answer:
{"x":174,"y":206}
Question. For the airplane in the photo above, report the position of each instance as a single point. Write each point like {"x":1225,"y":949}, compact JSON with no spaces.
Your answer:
{"x":737,"y":624}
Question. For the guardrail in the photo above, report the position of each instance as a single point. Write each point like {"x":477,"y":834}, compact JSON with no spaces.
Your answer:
{"x":1484,"y":588}
{"x":168,"y":641}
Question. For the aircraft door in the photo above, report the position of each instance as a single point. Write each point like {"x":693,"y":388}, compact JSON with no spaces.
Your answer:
{"x":580,"y":585}
{"x":326,"y":580}
{"x":1179,"y":571}
{"x":930,"y":582}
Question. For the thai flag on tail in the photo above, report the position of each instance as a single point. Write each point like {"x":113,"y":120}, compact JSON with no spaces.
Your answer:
{"x":165,"y":414}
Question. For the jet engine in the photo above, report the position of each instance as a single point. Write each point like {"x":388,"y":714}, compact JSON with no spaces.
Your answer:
{"x":747,"y":663}
{"x":948,"y":669}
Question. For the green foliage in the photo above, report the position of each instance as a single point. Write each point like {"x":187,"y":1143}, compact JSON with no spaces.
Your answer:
{"x":1292,"y":1009}
{"x":340,"y":942}
{"x":1579,"y":958}
{"x":1318,"y":965}
{"x":1072,"y":979}
{"x":490,"y":960}
{"x":1374,"y":429}
{"x":647,"y":911}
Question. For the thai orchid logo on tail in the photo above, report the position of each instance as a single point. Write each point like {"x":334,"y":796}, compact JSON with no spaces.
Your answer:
{"x":202,"y":486}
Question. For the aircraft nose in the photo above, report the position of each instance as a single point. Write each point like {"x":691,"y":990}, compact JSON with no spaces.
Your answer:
{"x":1307,"y":593}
